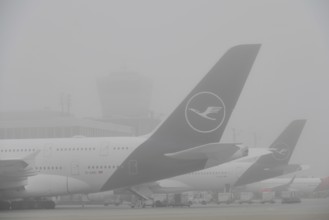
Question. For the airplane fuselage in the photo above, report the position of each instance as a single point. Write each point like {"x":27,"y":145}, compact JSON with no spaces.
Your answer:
{"x":305,"y":185}
{"x":61,"y":166}
{"x":219,"y":178}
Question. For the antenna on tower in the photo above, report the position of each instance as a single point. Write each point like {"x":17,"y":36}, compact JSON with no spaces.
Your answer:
{"x":68,"y":100}
{"x":65,"y":103}
{"x":61,"y":102}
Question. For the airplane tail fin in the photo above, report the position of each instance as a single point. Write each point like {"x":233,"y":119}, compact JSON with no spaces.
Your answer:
{"x":202,"y":116}
{"x":200,"y":119}
{"x":276,"y":163}
{"x":285,"y":143}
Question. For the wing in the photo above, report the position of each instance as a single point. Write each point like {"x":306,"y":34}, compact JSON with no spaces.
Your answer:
{"x":14,"y":172}
{"x":213,"y":153}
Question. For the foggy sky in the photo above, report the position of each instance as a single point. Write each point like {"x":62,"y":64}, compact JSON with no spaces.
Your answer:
{"x":53,"y":47}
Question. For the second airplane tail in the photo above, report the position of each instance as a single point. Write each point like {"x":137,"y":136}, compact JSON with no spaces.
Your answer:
{"x":276,"y":163}
{"x":285,"y":144}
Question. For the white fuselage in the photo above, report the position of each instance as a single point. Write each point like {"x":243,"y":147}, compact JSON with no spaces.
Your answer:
{"x":68,"y":165}
{"x":305,"y":185}
{"x":215,"y":178}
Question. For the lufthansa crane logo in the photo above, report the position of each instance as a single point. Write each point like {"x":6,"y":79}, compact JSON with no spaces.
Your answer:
{"x":280,"y":151}
{"x":205,"y":112}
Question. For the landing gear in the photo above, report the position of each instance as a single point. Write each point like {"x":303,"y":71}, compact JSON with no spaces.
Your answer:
{"x":46,"y":204}
{"x":137,"y":204}
{"x":32,"y":204}
{"x":27,"y":204}
{"x":142,"y":203}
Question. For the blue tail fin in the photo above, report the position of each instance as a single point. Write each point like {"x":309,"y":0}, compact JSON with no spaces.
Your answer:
{"x":276,"y":163}
{"x":200,"y":119}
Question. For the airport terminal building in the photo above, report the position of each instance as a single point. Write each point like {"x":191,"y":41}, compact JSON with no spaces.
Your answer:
{"x":50,"y":124}
{"x":125,"y":103}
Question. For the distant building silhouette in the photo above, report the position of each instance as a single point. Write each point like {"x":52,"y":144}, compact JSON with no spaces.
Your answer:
{"x":50,"y":124}
{"x":125,"y":99}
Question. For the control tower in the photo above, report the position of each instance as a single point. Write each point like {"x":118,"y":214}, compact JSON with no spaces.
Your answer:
{"x":125,"y":99}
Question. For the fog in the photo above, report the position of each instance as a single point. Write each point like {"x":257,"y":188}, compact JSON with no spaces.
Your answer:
{"x":48,"y":48}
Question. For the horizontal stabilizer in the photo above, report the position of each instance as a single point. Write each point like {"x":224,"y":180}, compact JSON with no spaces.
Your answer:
{"x":221,"y":152}
{"x":282,"y":187}
{"x":292,"y":168}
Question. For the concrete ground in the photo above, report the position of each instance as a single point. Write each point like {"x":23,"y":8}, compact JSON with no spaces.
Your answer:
{"x":311,"y":209}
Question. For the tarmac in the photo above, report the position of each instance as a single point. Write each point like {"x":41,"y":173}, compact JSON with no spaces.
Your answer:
{"x":309,"y":209}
